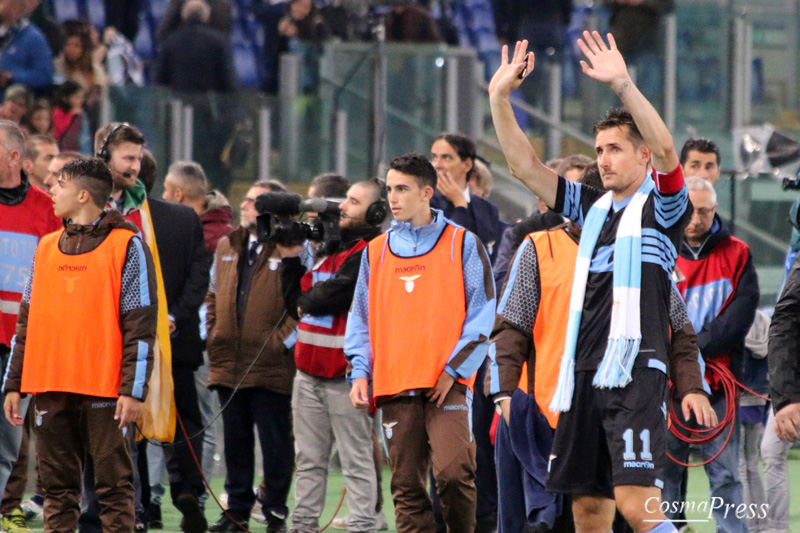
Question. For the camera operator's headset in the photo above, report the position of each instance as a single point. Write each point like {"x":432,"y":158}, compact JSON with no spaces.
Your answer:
{"x":104,"y":152}
{"x":379,"y":209}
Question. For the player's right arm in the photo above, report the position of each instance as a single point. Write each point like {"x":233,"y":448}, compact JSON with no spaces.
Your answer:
{"x":523,"y":162}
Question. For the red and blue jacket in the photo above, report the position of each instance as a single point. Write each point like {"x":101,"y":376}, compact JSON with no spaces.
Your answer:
{"x":720,"y":287}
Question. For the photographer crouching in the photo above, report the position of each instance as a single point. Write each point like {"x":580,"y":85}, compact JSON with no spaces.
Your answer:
{"x":321,"y":407}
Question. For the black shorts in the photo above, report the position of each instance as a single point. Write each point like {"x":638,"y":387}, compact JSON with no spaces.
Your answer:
{"x":611,"y":437}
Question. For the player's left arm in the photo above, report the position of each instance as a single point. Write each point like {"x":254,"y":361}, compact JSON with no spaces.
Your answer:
{"x":608,"y":66}
{"x":479,"y":294}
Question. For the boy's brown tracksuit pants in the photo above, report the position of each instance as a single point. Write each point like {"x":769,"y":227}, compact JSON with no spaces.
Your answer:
{"x":417,"y":432}
{"x":69,"y":427}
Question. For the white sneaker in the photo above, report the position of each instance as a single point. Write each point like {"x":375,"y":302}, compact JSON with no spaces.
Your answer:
{"x":344,"y":521}
{"x":340,"y":522}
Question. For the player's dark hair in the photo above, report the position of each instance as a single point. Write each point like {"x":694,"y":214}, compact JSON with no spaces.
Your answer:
{"x":618,"y":117}
{"x":417,"y":165}
{"x":92,"y":175}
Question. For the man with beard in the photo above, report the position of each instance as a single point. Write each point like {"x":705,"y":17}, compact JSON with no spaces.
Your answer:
{"x":182,"y":266}
{"x":320,"y":402}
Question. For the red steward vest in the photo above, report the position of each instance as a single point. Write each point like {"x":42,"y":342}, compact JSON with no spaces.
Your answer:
{"x":417,"y":309}
{"x":21,"y":227}
{"x":320,"y":339}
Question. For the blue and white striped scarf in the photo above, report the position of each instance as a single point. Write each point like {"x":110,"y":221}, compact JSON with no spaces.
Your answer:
{"x":625,"y":334}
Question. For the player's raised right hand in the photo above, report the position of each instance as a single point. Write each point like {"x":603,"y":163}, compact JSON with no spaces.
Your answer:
{"x":507,"y":78}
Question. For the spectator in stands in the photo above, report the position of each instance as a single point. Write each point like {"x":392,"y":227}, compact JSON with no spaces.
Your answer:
{"x":39,"y":153}
{"x":270,"y":15}
{"x":544,"y":23}
{"x":25,"y":57}
{"x":720,"y":287}
{"x":15,"y":103}
{"x":70,"y":123}
{"x":220,"y":18}
{"x":303,"y":22}
{"x":122,"y":64}
{"x":39,"y":119}
{"x":55,"y":166}
{"x":76,"y":61}
{"x":305,"y":31}
{"x":700,"y":157}
{"x":411,"y":24}
{"x":195,"y":57}
{"x":247,"y":322}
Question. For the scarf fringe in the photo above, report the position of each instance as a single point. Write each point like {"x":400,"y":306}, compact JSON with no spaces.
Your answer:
{"x":617,"y":365}
{"x":562,"y":398}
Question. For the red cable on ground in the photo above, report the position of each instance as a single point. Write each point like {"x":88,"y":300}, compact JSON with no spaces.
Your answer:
{"x":341,"y":501}
{"x":698,"y":436}
{"x":219,"y":504}
{"x":205,"y":481}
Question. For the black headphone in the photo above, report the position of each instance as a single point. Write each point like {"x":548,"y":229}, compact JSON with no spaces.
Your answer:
{"x":379,"y":209}
{"x":104,"y":153}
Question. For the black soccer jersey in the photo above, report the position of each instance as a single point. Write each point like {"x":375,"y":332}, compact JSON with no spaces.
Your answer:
{"x":665,"y":215}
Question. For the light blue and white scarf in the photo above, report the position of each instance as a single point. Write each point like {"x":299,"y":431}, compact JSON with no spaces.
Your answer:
{"x":625,"y":334}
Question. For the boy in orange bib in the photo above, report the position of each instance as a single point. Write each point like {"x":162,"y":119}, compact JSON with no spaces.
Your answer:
{"x":84,"y":346}
{"x":422,"y":312}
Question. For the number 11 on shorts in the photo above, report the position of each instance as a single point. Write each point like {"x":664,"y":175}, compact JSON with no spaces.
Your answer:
{"x":629,"y":454}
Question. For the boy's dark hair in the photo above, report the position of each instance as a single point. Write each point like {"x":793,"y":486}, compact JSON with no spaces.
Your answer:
{"x":618,"y":117}
{"x":464,"y":147}
{"x":591,"y":177}
{"x":703,"y":145}
{"x":417,"y":165}
{"x":330,"y":185}
{"x":115,"y":133}
{"x":92,"y":175}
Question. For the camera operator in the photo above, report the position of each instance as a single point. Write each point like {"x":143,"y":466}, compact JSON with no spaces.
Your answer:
{"x":321,"y":404}
{"x":250,"y":340}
